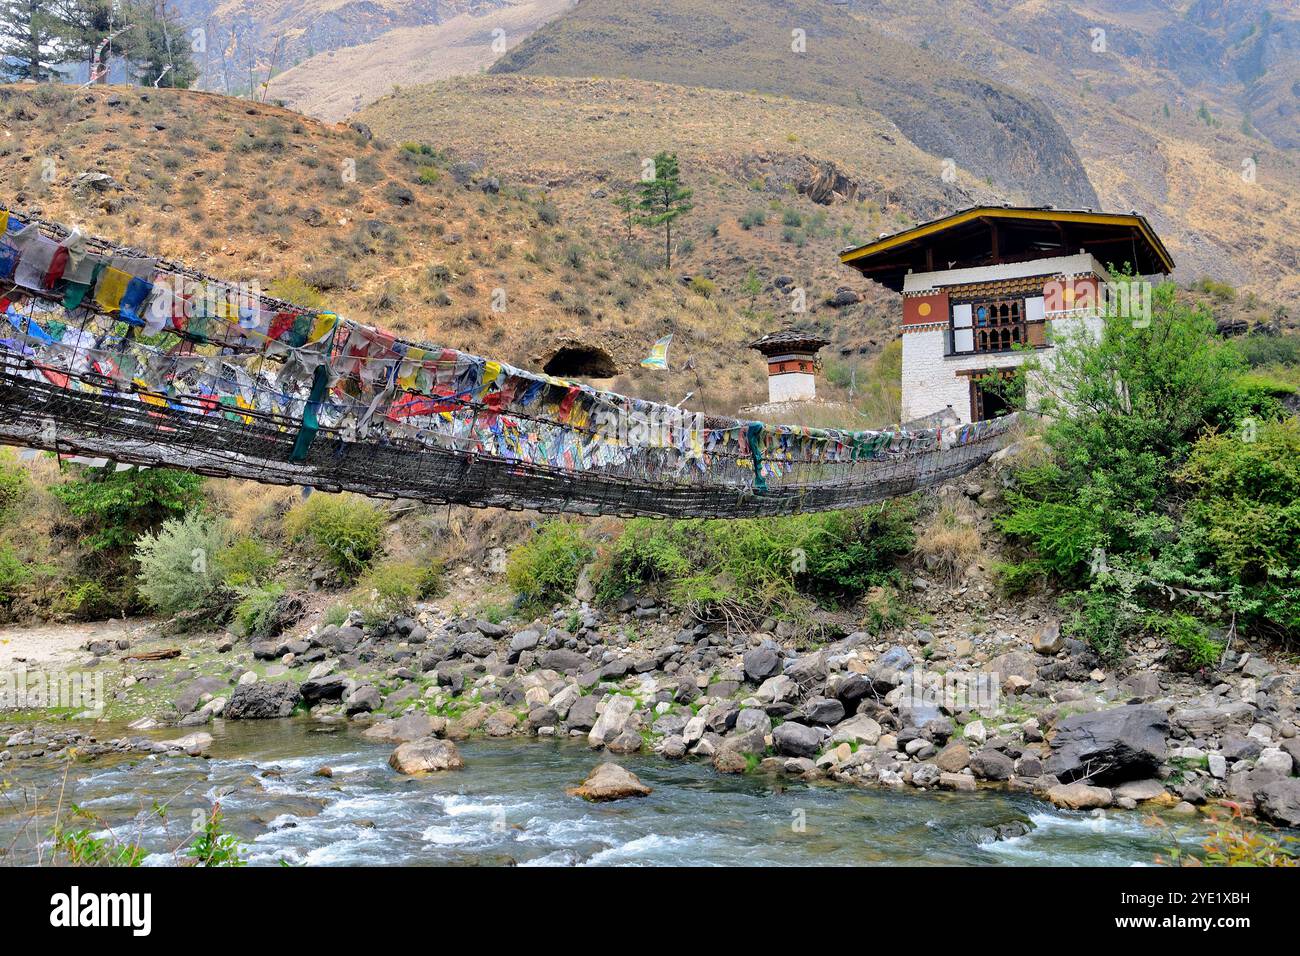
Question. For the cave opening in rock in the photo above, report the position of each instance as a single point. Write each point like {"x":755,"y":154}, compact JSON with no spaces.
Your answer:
{"x":581,"y":361}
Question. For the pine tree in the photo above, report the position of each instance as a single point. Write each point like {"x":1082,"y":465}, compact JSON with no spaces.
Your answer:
{"x":163,"y":56}
{"x":27,"y":35}
{"x":664,"y":200}
{"x":90,"y":30}
{"x":626,"y":203}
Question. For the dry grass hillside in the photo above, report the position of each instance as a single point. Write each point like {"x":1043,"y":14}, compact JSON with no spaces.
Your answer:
{"x":338,"y":82}
{"x":398,"y":235}
{"x":775,"y":195}
{"x":818,"y":53}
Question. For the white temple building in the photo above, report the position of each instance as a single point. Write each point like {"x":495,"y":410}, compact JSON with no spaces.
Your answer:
{"x":982,"y":287}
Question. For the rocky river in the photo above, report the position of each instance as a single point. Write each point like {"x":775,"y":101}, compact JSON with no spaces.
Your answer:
{"x":296,"y":792}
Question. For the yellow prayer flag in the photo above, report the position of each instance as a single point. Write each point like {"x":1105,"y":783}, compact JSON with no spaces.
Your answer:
{"x":323,"y":326}
{"x":111,"y":287}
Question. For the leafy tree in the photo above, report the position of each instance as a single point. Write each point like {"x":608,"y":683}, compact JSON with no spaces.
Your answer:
{"x":751,"y":287}
{"x":626,"y":203}
{"x":89,"y":31}
{"x":83,"y":26}
{"x":28,"y":30}
{"x":116,"y":507}
{"x":1104,"y":513}
{"x":664,"y":200}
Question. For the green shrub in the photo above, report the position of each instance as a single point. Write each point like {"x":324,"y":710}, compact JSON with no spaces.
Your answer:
{"x":1263,"y":350}
{"x":1103,"y":620}
{"x":244,"y":562}
{"x":703,"y":287}
{"x":850,"y":552}
{"x":1243,"y":525}
{"x":14,"y":574}
{"x":178,"y":564}
{"x":428,"y":175}
{"x":256,"y":613}
{"x":335,"y":614}
{"x":297,"y":290}
{"x":1189,"y":639}
{"x":750,"y":569}
{"x":548,"y":212}
{"x":86,"y":601}
{"x":392,"y":588}
{"x":116,"y":507}
{"x":545,"y":568}
{"x":346,"y":530}
{"x":13,"y":484}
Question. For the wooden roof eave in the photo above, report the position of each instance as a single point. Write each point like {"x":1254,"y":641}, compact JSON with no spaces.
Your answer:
{"x":991,"y":214}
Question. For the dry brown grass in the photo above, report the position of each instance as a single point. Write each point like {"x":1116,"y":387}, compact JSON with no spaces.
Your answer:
{"x":246,"y":191}
{"x":948,"y":541}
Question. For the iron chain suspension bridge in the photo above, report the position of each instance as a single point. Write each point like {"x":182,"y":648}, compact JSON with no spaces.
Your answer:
{"x":108,"y":352}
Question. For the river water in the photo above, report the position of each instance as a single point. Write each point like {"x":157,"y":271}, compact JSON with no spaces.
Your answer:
{"x":509,"y":807}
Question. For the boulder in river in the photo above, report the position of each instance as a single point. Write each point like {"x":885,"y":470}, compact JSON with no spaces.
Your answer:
{"x":425,"y":756}
{"x":609,"y":781}
{"x":1079,"y":796}
{"x":191,"y":744}
{"x":793,"y":739}
{"x":408,"y":727}
{"x":1279,"y":802}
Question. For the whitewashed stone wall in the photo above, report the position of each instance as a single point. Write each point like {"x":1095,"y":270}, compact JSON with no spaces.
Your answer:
{"x":791,"y":387}
{"x":932,"y":381}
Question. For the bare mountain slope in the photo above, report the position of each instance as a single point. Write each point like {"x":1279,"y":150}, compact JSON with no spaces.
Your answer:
{"x":333,"y":84}
{"x":819,"y":53}
{"x":1154,"y":96}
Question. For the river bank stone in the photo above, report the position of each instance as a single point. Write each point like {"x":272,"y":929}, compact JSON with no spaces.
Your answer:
{"x":1109,"y":746}
{"x":265,"y":700}
{"x":408,"y":727}
{"x":1079,"y":796}
{"x":793,"y":739}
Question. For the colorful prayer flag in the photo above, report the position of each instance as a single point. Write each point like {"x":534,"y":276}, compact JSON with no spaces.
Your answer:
{"x":658,"y":357}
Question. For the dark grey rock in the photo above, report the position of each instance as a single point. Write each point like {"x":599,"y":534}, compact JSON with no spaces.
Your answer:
{"x":761,"y":663}
{"x":1109,"y":746}
{"x":823,"y":710}
{"x":262,"y":701}
{"x":793,"y":739}
{"x":991,"y":765}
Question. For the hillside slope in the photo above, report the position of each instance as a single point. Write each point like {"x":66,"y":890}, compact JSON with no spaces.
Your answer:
{"x":1187,"y":110}
{"x":774,"y":195}
{"x":403,"y":238}
{"x":337,"y":82}
{"x":818,"y":53}
{"x":990,"y":86}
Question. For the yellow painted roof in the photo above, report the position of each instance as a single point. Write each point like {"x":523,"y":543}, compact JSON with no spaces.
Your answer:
{"x":877,"y":249}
